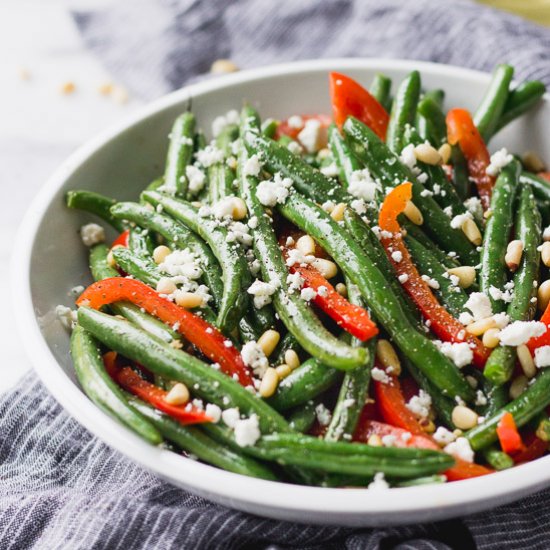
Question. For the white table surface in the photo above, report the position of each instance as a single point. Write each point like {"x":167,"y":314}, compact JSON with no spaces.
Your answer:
{"x":39,"y":126}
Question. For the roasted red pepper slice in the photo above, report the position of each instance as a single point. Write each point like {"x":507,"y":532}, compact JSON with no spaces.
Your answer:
{"x":508,"y":435}
{"x":122,"y":239}
{"x":286,"y":129}
{"x":201,"y":334}
{"x":135,"y":384}
{"x":442,"y":323}
{"x":403,"y":438}
{"x":349,"y":98}
{"x":534,"y":448}
{"x":462,"y":130}
{"x":543,"y":339}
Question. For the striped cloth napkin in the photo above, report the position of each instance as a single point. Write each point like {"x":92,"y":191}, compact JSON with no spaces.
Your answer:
{"x":62,"y":488}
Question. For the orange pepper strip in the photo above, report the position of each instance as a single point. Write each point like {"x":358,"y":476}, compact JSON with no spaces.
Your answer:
{"x":508,"y":435}
{"x":442,"y":323}
{"x":201,"y":334}
{"x":462,"y":130}
{"x":543,"y":339}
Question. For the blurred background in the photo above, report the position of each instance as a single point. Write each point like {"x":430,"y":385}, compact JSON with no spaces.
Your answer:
{"x":70,"y":69}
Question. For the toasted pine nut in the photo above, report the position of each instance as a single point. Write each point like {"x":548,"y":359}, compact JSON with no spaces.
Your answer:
{"x":178,"y":395}
{"x":68,"y":87}
{"x":223,"y":66}
{"x":239,"y":208}
{"x":268,"y":341}
{"x":342,"y":289}
{"x":166,"y":286}
{"x":477,"y":328}
{"x":188,"y":300}
{"x":326,"y":268}
{"x":526,"y":361}
{"x":374,"y":440}
{"x":283,"y":371}
{"x":337,"y":213}
{"x":464,"y":418}
{"x":160,"y":253}
{"x":412,"y":212}
{"x":487,"y":214}
{"x":385,"y":353}
{"x":445,"y":153}
{"x":466,"y":275}
{"x":471,"y":231}
{"x":428,"y":425}
{"x":306,"y":245}
{"x":543,"y":295}
{"x":490,"y":338}
{"x":533,"y":162}
{"x":545,"y":253}
{"x":514,"y":251}
{"x":292,"y":359}
{"x":269,"y":382}
{"x":518,"y":385}
{"x":426,"y":153}
{"x":110,"y":257}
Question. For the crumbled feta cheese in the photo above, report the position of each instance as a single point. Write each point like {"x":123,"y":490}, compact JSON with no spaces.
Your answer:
{"x":254,"y":357}
{"x":521,"y":332}
{"x":223,"y":208}
{"x":458,"y":221}
{"x":459,"y":353}
{"x":432,"y":283}
{"x":380,"y":375}
{"x":295,"y":147}
{"x":480,"y":305}
{"x":396,"y":256}
{"x":473,"y":205}
{"x":465,"y":318}
{"x":295,"y":256}
{"x":209,"y":155}
{"x":252,"y":166}
{"x":328,"y":206}
{"x":408,"y":157}
{"x":313,"y":136}
{"x":497,"y":294}
{"x":359,"y":206}
{"x":542,"y":356}
{"x":262,"y":293}
{"x":294,"y":281}
{"x":220,"y":122}
{"x":443,"y":436}
{"x":481,"y":399}
{"x":76,"y":290}
{"x":331,"y":170}
{"x":378,"y":483}
{"x":307,"y":294}
{"x":460,"y":449}
{"x":66,"y":316}
{"x":182,"y":263}
{"x":271,"y":192}
{"x":498,"y":161}
{"x":230,"y":417}
{"x":92,"y":233}
{"x":403,"y":278}
{"x":389,"y":440}
{"x":247,"y":431}
{"x":362,"y":185}
{"x":196,"y":178}
{"x":295,"y":121}
{"x":323,"y":414}
{"x":322,"y":291}
{"x":420,"y":404}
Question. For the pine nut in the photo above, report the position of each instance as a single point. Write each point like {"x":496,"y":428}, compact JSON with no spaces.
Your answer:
{"x":491,"y":338}
{"x":545,"y":253}
{"x":385,"y":353}
{"x":292,"y":359}
{"x":466,"y":275}
{"x":514,"y":251}
{"x":283,"y":371}
{"x":464,"y":418}
{"x":543,"y":295}
{"x":428,"y":426}
{"x":526,"y":361}
{"x":306,"y":245}
{"x":326,"y":268}
{"x":337,"y":213}
{"x":426,"y":153}
{"x":68,"y":88}
{"x":445,"y":153}
{"x":518,"y":386}
{"x":374,"y":440}
{"x":166,"y":286}
{"x":533,"y":162}
{"x":188,"y":300}
{"x":477,"y":328}
{"x":471,"y":231}
{"x":412,"y":212}
{"x":487,"y":214}
{"x":221,"y":66}
{"x":239,"y":210}
{"x":160,"y":253}
{"x":178,"y":395}
{"x":268,"y":341}
{"x":111,"y":258}
{"x":269,"y":382}
{"x":342,"y":289}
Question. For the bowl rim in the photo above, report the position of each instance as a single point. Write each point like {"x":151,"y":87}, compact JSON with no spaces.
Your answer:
{"x":269,"y":498}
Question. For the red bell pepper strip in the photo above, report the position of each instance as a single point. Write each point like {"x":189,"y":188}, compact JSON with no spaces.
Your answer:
{"x":543,"y":339}
{"x":508,"y":435}
{"x":135,"y":384}
{"x":442,"y":323}
{"x":544,"y":175}
{"x":285,"y":129}
{"x":208,"y":339}
{"x":534,"y":448}
{"x":462,"y":130}
{"x":349,"y":98}
{"x":111,"y":364}
{"x":122,"y":239}
{"x":466,"y":470}
{"x":403,"y":438}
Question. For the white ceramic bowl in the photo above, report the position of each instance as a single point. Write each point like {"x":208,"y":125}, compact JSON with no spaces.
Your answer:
{"x":51,"y":259}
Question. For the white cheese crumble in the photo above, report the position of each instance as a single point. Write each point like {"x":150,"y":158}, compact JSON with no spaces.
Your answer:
{"x":497,"y":294}
{"x":230,"y":417}
{"x":247,"y":431}
{"x":378,"y":483}
{"x":254,"y":357}
{"x":67,"y":317}
{"x":542,"y":357}
{"x":92,"y":233}
{"x":323,"y":414}
{"x":295,"y":256}
{"x":331,"y":170}
{"x":295,"y":147}
{"x":294,"y":281}
{"x":307,"y":294}
{"x":252,"y":166}
{"x":209,"y":155}
{"x":295,"y":121}
{"x":443,"y":436}
{"x":313,"y":136}
{"x":271,"y":192}
{"x":408,"y":157}
{"x":432,"y":283}
{"x":458,"y":221}
{"x":403,"y":278}
{"x":262,"y":293}
{"x":380,"y":375}
{"x":481,"y":399}
{"x":359,"y":206}
{"x":459,"y":353}
{"x":362,"y":185}
{"x":520,"y":332}
{"x":473,"y":205}
{"x":214,"y":412}
{"x":396,"y":256}
{"x":480,"y":306}
{"x":498,"y":161}
{"x":224,"y":207}
{"x":196,"y":178}
{"x":221,"y":122}
{"x":420,"y":404}
{"x":460,"y":449}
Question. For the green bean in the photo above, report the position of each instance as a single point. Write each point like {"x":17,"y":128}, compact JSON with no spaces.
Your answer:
{"x":500,"y":366}
{"x":140,"y":242}
{"x":248,"y":331}
{"x":533,"y":400}
{"x":295,"y":314}
{"x":431,"y":121}
{"x":194,"y":440}
{"x":492,"y":105}
{"x":101,"y":389}
{"x":180,"y":153}
{"x":520,"y":100}
{"x":302,"y":417}
{"x":427,"y":480}
{"x":155,"y":184}
{"x":493,"y":271}
{"x":179,"y":236}
{"x":541,"y":187}
{"x":498,"y":459}
{"x":346,"y":161}
{"x":386,"y":167}
{"x":360,"y":269}
{"x":160,"y":358}
{"x":144,"y":269}
{"x":220,"y":176}
{"x":461,"y":177}
{"x":403,"y":111}
{"x":380,"y":88}
{"x":95,"y":204}
{"x":269,"y":128}
{"x":236,"y":277}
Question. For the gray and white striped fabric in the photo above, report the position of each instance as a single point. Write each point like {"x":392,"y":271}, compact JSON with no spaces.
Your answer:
{"x":60,"y":487}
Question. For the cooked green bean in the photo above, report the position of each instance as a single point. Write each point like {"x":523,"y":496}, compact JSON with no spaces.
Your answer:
{"x":94,"y":203}
{"x":180,"y":153}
